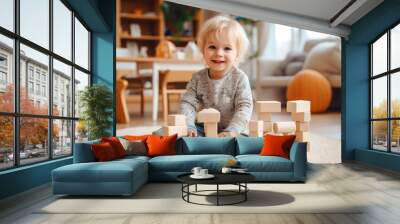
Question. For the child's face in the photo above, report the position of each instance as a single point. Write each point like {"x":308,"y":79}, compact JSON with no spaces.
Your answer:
{"x":220,"y":53}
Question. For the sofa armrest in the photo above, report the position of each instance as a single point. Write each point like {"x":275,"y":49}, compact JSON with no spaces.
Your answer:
{"x":83,"y":152}
{"x":298,"y":155}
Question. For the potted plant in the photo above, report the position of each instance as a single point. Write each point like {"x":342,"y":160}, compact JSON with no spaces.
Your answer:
{"x":178,"y":19}
{"x":96,"y":102}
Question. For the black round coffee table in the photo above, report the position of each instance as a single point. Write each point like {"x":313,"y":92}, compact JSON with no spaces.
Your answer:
{"x":238,"y":179}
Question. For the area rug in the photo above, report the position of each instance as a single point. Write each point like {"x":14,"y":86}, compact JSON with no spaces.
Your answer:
{"x":166,"y":198}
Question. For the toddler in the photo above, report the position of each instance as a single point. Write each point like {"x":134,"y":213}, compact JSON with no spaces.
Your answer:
{"x":221,"y":85}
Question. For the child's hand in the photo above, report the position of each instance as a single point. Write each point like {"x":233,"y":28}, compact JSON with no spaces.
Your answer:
{"x":228,"y":134}
{"x":192,"y":133}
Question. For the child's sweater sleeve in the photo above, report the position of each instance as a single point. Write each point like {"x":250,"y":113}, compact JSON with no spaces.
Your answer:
{"x":243,"y":106}
{"x":190,"y":103}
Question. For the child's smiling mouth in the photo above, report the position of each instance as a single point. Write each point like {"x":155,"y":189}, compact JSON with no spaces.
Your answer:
{"x":218,"y":61}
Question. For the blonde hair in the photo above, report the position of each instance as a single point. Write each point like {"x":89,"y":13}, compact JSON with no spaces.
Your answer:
{"x":218,"y":24}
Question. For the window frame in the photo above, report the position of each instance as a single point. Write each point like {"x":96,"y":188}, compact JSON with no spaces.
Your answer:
{"x":16,"y":115}
{"x":388,"y":74}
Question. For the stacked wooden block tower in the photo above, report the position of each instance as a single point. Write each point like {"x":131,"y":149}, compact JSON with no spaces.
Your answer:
{"x":301,"y":116}
{"x":210,"y":117}
{"x":176,"y":125}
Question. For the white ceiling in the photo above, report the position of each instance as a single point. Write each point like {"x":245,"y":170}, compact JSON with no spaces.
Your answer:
{"x":315,"y":15}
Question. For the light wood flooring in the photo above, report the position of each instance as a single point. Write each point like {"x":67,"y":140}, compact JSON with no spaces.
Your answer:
{"x":378,"y":189}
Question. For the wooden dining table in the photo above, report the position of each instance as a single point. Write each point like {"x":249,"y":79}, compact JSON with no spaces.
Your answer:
{"x":157,"y":65}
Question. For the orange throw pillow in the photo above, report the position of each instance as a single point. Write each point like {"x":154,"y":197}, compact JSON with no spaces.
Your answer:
{"x":116,"y":145}
{"x":161,"y":145}
{"x":136,"y":137}
{"x":275,"y":145}
{"x":103,"y":151}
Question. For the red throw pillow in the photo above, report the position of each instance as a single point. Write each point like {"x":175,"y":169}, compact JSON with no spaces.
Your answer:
{"x":276,"y":145}
{"x":103,"y":151}
{"x":116,"y":145}
{"x":161,"y":145}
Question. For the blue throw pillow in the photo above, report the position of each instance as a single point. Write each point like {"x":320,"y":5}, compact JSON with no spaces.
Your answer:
{"x":249,"y":145}
{"x":206,"y":145}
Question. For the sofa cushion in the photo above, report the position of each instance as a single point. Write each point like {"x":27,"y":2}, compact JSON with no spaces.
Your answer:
{"x":116,"y":145}
{"x":249,"y":145}
{"x":83,"y":152}
{"x":257,"y":163}
{"x":276,"y":145}
{"x":112,"y":171}
{"x":197,"y":146}
{"x":134,"y":147}
{"x":185,"y":163}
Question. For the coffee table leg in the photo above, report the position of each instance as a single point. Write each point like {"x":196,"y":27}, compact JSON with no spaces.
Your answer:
{"x":196,"y":188}
{"x":217,"y":194}
{"x":245,"y":191}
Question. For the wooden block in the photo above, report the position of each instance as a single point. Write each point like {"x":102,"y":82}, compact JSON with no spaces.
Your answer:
{"x":209,"y":115}
{"x":302,"y":136}
{"x":256,"y":127}
{"x":211,"y":129}
{"x":301,"y":116}
{"x":297,"y":106}
{"x":256,"y":134}
{"x":171,"y":130}
{"x":268,"y":126}
{"x":176,"y":120}
{"x":284,"y":127}
{"x":264,"y":116}
{"x":268,"y":106}
{"x":302,"y":126}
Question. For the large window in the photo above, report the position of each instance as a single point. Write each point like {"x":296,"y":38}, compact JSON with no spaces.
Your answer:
{"x":385,"y":92}
{"x":44,"y":64}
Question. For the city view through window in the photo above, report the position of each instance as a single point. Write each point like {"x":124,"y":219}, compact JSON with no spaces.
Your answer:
{"x":39,"y":113}
{"x":385,"y":82}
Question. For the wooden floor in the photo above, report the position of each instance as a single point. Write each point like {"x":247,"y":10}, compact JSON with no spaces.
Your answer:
{"x":378,"y":189}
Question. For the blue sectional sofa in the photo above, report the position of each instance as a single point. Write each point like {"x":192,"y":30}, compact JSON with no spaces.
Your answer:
{"x":125,"y":176}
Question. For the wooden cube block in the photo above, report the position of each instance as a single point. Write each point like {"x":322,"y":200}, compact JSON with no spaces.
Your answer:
{"x":268,"y":106}
{"x":268,"y":126}
{"x":297,"y":106}
{"x":264,"y":116}
{"x":284,"y":127}
{"x":211,"y":129}
{"x":301,"y":116}
{"x":171,"y":130}
{"x":302,"y":126}
{"x":256,"y":126}
{"x":302,"y":136}
{"x":256,"y":134}
{"x":209,"y":115}
{"x":176,"y":120}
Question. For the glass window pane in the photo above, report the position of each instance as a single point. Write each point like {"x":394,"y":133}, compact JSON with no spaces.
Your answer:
{"x":6,"y":142}
{"x":81,"y":45}
{"x":379,"y":135}
{"x":395,"y":94}
{"x":62,"y":89}
{"x":81,"y":81}
{"x":33,"y":139}
{"x":6,"y":74}
{"x":379,"y":55}
{"x":81,"y":131}
{"x":34,"y":96}
{"x":62,"y":138}
{"x":395,"y":47}
{"x":395,"y":136}
{"x":35,"y":21}
{"x":7,"y":14}
{"x":379,"y":97}
{"x":62,"y":29}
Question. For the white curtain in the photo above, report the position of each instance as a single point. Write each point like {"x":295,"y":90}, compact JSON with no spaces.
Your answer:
{"x":275,"y":40}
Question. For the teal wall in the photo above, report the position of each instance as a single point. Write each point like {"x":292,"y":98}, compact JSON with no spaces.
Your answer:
{"x":99,"y":16}
{"x":355,"y":113}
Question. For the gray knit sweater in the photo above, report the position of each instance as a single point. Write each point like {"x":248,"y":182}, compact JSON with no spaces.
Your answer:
{"x":230,"y":95}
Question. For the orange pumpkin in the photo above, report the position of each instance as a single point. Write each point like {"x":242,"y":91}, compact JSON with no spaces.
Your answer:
{"x":313,"y":86}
